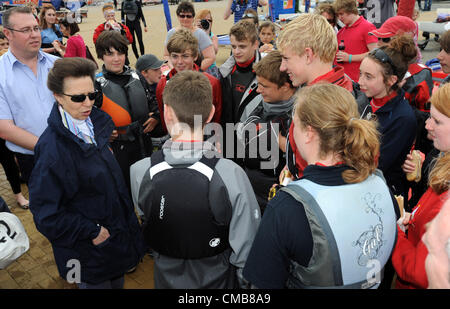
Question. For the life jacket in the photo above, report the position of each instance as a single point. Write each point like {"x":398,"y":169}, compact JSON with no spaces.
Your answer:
{"x":127,"y":106}
{"x":181,"y":223}
{"x":354,"y":232}
{"x":418,"y":86}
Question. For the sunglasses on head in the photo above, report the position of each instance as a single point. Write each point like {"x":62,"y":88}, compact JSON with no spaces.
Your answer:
{"x":79,"y":98}
{"x":384,"y":40}
{"x":381,"y":56}
{"x":185,"y":16}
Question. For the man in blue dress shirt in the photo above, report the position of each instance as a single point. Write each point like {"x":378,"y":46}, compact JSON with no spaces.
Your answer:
{"x":25,"y":101}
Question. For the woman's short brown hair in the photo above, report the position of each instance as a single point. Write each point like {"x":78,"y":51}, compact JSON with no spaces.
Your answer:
{"x":110,"y":39}
{"x":69,"y":67}
{"x":72,"y":26}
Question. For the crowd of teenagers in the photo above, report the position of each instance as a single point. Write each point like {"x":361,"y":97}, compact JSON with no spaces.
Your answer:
{"x":317,"y":156}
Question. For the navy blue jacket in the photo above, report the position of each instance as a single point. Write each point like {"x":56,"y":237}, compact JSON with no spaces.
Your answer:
{"x":75,"y":188}
{"x":397,"y":125}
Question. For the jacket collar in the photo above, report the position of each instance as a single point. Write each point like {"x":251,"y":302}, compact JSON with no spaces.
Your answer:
{"x":126,"y":71}
{"x":227,"y":67}
{"x":103,"y":127}
{"x":392,"y":104}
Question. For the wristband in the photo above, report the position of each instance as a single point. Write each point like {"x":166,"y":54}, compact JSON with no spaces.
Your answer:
{"x":349,"y":58}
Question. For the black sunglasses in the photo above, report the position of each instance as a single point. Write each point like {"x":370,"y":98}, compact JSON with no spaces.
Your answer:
{"x":79,"y":98}
{"x":384,"y":40}
{"x":185,"y":16}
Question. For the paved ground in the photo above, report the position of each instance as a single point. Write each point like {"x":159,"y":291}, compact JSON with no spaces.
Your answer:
{"x":36,"y":269}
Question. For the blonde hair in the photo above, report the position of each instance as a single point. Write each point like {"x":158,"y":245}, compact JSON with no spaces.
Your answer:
{"x":202,"y":14}
{"x":439,"y":177}
{"x":333,"y":113}
{"x":310,"y":31}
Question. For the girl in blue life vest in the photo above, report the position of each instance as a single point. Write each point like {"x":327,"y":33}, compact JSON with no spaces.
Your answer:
{"x":335,"y":226}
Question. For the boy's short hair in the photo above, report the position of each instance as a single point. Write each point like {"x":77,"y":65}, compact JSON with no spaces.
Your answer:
{"x":444,"y":41}
{"x":269,"y":68}
{"x":181,"y":41}
{"x":189,"y":94}
{"x":244,"y":31}
{"x":348,"y":6}
{"x":111,"y":39}
{"x":267,"y":24}
{"x":313,"y":31}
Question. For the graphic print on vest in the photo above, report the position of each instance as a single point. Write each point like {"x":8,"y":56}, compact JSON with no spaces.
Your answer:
{"x":130,"y":8}
{"x":371,"y":241}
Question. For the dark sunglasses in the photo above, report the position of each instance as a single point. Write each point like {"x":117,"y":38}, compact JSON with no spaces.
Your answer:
{"x":384,"y":40}
{"x":331,"y":21}
{"x":79,"y":98}
{"x":185,"y":16}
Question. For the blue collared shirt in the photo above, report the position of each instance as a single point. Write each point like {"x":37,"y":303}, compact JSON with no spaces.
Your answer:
{"x":24,"y":97}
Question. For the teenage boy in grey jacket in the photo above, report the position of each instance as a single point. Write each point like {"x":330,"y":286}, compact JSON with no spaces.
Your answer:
{"x":200,"y":209}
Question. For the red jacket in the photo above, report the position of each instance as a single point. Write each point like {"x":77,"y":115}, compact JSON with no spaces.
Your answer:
{"x":216,"y":89}
{"x":101,"y":28}
{"x":410,"y":252}
{"x":335,"y":76}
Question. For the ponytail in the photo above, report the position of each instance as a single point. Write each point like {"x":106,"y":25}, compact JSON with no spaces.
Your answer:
{"x":439,"y":177}
{"x":361,"y":149}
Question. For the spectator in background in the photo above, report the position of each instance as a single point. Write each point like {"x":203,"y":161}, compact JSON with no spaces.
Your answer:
{"x":267,"y":36}
{"x":23,"y":114}
{"x":238,"y":7}
{"x":111,"y":24}
{"x":444,"y":55}
{"x":355,"y":36}
{"x":251,"y":15}
{"x":33,"y":8}
{"x":326,"y":9}
{"x":75,"y":46}
{"x":4,"y":44}
{"x":50,"y":31}
{"x":410,"y":253}
{"x":132,"y":18}
{"x":204,"y":20}
{"x":185,"y":14}
{"x":437,"y":241}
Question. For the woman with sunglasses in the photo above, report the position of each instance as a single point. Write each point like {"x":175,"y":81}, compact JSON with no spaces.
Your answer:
{"x":50,"y":31}
{"x":381,"y":73}
{"x":79,"y":198}
{"x":185,"y":14}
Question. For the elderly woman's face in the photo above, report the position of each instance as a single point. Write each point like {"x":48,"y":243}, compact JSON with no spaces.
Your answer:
{"x":76,"y":86}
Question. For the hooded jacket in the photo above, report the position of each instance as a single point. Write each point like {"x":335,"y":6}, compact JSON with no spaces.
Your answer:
{"x":75,"y":188}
